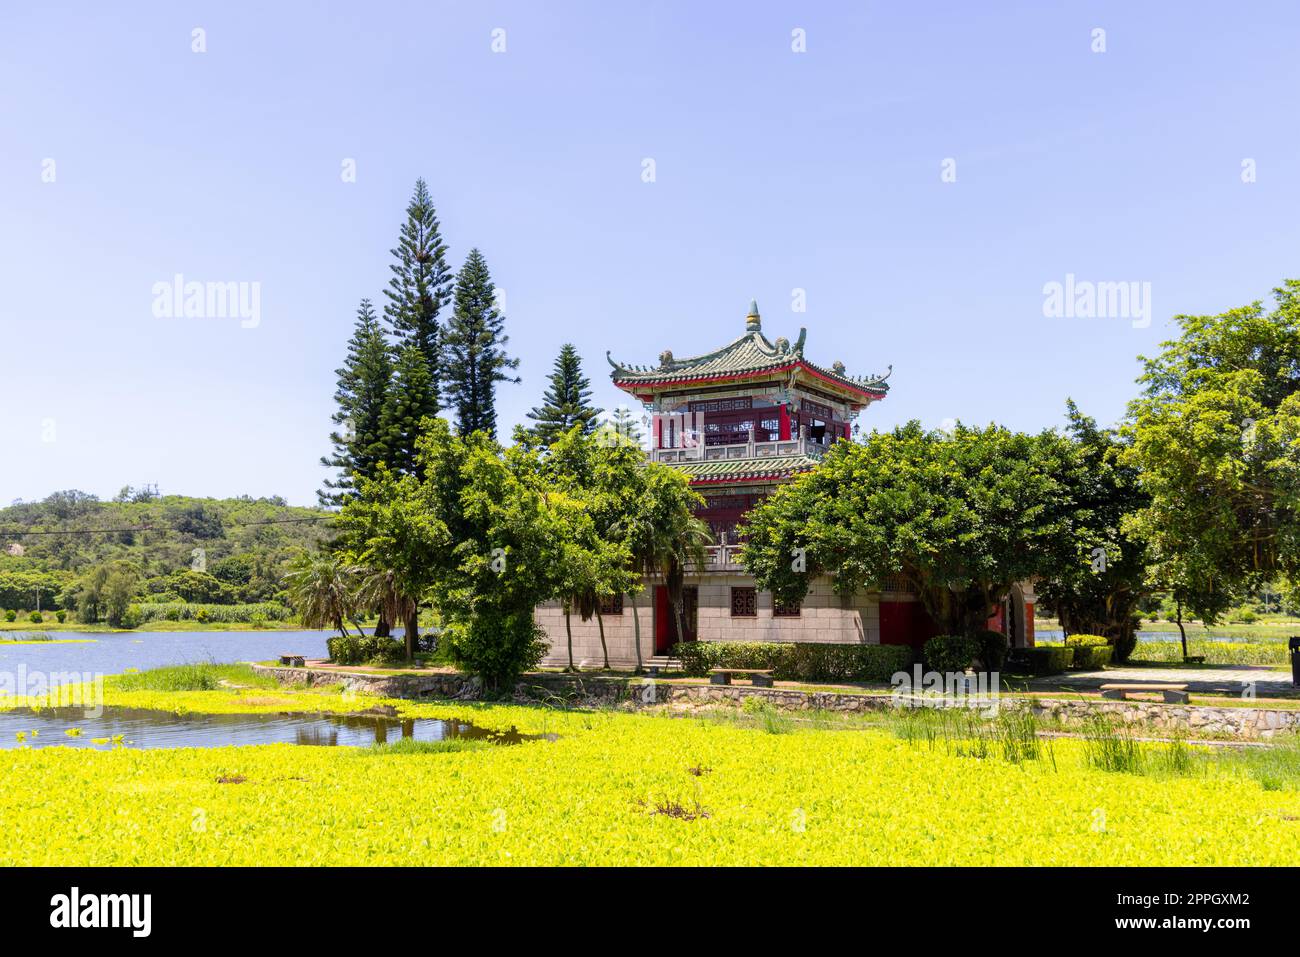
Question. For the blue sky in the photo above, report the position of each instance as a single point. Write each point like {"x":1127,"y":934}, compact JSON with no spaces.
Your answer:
{"x":774,"y":171}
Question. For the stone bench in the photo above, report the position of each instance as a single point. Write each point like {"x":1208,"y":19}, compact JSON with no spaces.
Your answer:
{"x":1173,"y":694}
{"x":758,"y":677}
{"x":295,"y":661}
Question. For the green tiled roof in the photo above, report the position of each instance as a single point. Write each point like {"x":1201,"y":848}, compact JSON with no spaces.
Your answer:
{"x":751,"y":354}
{"x":740,"y":469}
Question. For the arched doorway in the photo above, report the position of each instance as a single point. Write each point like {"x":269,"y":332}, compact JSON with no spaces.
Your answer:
{"x":1014,"y":616}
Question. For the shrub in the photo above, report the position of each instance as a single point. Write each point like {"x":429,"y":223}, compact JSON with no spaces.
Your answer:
{"x":60,"y":616}
{"x":796,"y":661}
{"x":1090,"y":651}
{"x":498,"y":646}
{"x":358,"y":650}
{"x":1046,"y":659}
{"x":11,"y":615}
{"x":993,"y":649}
{"x":950,"y":653}
{"x":35,"y":618}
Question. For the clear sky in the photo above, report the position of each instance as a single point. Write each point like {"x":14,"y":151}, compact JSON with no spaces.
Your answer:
{"x":774,"y":171}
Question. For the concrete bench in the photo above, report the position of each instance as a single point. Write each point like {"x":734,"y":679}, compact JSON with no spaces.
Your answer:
{"x":295,"y":661}
{"x":758,"y":677}
{"x":1173,"y":694}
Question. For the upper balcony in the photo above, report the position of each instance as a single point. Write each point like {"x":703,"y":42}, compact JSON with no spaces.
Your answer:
{"x":695,"y":451}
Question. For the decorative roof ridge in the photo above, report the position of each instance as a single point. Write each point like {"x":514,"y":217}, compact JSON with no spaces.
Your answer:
{"x":668,"y":364}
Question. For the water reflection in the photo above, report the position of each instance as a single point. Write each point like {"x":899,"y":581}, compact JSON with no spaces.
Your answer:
{"x":138,"y":728}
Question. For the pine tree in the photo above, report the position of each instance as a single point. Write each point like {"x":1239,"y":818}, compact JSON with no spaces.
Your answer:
{"x":364,"y":382}
{"x":474,"y":357}
{"x":565,"y":403}
{"x":421,"y":283}
{"x":410,"y":399}
{"x":625,"y":425}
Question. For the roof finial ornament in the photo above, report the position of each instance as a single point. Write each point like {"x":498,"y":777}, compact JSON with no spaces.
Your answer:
{"x":753,"y":322}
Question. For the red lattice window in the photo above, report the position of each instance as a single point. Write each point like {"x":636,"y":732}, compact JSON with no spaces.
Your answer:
{"x":782,"y":610}
{"x":744,"y":602}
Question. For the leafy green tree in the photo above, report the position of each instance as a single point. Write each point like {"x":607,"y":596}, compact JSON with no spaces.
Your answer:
{"x":420,"y":286}
{"x":600,"y":480}
{"x":364,"y":383}
{"x":474,"y":356}
{"x":1099,"y":593}
{"x":322,"y":590}
{"x":106,"y":591}
{"x":409,"y":402}
{"x":961,"y":517}
{"x":1216,"y":437}
{"x":658,"y":525}
{"x":566,"y":401}
{"x":395,"y":541}
{"x":196,"y":586}
{"x":523,"y":533}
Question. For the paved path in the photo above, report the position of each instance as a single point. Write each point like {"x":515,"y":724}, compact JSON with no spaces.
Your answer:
{"x":1230,"y":679}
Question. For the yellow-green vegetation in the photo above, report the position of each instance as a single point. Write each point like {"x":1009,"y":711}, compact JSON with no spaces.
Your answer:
{"x":751,"y":787}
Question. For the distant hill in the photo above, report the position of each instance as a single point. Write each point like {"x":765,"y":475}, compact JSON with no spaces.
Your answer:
{"x":243,"y":542}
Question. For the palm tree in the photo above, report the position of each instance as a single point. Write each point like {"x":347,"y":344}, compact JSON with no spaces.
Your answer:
{"x":322,"y":590}
{"x":682,"y":543}
{"x":383,"y":590}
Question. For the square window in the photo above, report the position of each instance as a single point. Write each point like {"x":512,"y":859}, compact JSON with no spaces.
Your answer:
{"x":781,"y":610}
{"x":611,"y":605}
{"x":744,"y":602}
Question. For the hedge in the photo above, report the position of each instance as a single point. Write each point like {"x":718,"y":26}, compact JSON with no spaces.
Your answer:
{"x":355,"y":650}
{"x":1090,"y":651}
{"x":951,"y":653}
{"x":796,"y":661}
{"x":1045,"y":659}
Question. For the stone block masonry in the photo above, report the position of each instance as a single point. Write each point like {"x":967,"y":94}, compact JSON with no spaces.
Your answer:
{"x":1204,"y":720}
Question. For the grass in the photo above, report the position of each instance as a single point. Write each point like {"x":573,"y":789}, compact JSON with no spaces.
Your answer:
{"x":194,"y":677}
{"x":412,"y":746}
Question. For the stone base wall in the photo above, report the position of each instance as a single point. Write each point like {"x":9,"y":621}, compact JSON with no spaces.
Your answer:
{"x":1152,"y":717}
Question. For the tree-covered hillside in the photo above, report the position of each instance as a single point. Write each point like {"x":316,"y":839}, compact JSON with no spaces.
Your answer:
{"x":158,"y":548}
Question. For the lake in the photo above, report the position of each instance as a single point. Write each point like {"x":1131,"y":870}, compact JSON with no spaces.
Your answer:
{"x":113,"y":653}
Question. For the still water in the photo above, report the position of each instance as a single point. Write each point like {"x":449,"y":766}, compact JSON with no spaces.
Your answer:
{"x":137,"y":728}
{"x":114,"y":653}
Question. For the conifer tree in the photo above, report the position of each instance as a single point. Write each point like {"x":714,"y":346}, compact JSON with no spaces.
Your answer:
{"x":474,"y":357}
{"x":410,"y":399}
{"x":421,"y":283}
{"x":566,"y":402}
{"x":364,"y":382}
{"x":625,"y":425}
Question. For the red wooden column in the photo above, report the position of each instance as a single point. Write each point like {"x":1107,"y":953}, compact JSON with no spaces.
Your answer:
{"x":785,"y":422}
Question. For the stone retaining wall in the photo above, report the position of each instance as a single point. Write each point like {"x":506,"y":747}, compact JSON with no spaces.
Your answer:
{"x":1247,"y":723}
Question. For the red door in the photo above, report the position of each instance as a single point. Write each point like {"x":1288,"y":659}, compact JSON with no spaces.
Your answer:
{"x":666,"y":622}
{"x":665,"y":628}
{"x":905,"y":623}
